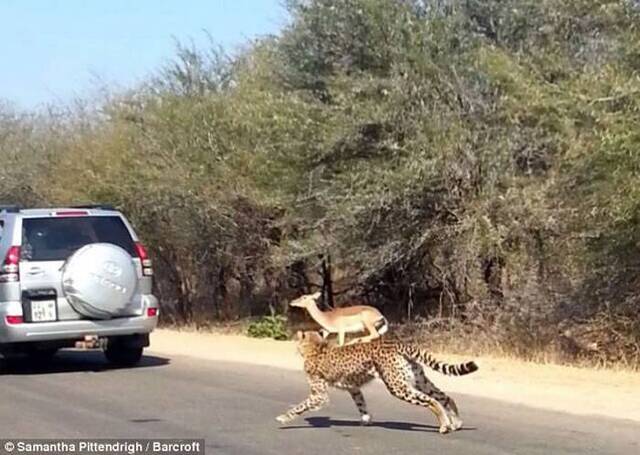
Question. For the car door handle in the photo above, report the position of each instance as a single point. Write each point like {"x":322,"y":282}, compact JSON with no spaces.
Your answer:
{"x":35,"y":271}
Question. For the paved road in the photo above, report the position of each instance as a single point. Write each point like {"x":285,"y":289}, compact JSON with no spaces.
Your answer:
{"x":233,"y":407}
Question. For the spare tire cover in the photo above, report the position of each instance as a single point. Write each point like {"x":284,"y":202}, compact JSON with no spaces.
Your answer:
{"x":99,"y":280}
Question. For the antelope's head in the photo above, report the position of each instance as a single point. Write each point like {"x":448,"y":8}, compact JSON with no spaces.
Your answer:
{"x":306,"y":301}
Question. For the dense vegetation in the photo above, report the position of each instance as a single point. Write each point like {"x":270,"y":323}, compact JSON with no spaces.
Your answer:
{"x":472,"y":162}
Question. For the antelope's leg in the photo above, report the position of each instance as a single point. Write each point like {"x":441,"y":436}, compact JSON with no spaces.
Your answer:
{"x":373,"y":333}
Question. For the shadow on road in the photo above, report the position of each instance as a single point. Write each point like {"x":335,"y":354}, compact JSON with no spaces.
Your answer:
{"x":149,"y":420}
{"x":327,"y":422}
{"x":72,"y":362}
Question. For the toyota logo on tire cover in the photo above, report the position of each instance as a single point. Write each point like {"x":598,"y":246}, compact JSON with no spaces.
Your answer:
{"x":112,"y":269}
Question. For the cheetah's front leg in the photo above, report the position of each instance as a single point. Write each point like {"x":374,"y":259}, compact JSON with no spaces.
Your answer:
{"x":361,"y":404}
{"x":317,"y":398}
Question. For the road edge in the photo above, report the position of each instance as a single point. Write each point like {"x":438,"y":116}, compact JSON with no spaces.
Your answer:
{"x":551,"y":387}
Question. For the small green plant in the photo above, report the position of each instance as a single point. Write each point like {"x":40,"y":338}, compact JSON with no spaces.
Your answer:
{"x":269,"y":327}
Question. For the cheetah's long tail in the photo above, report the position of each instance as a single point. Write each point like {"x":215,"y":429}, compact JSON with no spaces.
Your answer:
{"x":426,"y":358}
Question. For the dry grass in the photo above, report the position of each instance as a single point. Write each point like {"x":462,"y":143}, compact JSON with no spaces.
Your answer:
{"x":238,"y":327}
{"x":569,"y":349}
{"x":457,"y":340}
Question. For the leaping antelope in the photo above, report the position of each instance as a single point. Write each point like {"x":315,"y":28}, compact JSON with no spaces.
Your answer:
{"x":350,"y":319}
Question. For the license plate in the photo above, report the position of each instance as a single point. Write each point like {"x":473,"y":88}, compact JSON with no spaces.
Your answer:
{"x":43,"y":310}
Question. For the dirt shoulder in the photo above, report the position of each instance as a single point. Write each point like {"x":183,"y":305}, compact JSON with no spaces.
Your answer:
{"x":566,"y":389}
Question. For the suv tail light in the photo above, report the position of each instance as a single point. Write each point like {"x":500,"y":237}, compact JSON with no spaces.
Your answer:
{"x":14,"y":319}
{"x":11,"y":266}
{"x":147,"y":266}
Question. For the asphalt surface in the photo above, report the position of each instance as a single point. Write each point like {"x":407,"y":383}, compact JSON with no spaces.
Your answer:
{"x":233,"y":406}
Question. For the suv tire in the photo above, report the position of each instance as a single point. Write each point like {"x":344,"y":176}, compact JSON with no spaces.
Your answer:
{"x":42,"y":355}
{"x":121,"y":355}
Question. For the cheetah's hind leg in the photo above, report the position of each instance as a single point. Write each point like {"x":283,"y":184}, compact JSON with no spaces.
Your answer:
{"x":427,"y":387}
{"x":397,"y":377}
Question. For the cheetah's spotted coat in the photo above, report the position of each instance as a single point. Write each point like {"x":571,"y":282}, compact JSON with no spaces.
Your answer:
{"x":398,"y":364}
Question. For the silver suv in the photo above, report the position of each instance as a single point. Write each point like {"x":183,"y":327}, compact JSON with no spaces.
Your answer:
{"x":74,"y":277}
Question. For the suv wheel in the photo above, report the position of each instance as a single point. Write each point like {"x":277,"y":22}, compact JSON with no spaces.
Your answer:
{"x":125,"y":356}
{"x":42,"y":355}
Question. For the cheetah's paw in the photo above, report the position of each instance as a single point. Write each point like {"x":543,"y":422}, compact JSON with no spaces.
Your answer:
{"x":284,"y":418}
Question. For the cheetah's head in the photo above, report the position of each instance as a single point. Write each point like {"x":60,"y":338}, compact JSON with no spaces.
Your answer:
{"x":309,"y":341}
{"x":309,"y":336}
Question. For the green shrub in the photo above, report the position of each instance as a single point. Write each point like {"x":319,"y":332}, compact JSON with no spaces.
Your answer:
{"x":269,"y":327}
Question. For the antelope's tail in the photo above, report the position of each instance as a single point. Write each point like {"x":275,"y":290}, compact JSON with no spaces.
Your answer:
{"x":382,"y":326}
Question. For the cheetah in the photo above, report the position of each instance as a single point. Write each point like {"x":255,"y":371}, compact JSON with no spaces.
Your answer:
{"x":398,"y":364}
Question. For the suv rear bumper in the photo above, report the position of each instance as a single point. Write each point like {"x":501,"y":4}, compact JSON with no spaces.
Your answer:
{"x":78,"y":329}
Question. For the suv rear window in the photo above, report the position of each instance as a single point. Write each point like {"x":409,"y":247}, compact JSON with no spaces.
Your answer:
{"x":55,"y":239}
